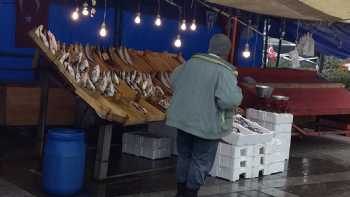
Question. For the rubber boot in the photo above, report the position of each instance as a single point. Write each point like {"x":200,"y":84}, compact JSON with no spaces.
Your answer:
{"x":181,"y":188}
{"x":191,"y":193}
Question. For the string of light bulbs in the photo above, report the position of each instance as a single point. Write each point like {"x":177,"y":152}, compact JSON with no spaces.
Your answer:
{"x":84,"y":11}
{"x":103,"y":31}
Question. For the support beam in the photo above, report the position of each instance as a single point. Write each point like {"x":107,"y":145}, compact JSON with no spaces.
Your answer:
{"x":233,"y":40}
{"x":282,"y":34}
{"x":266,"y":41}
{"x":279,"y":52}
{"x":44,"y":99}
{"x":103,"y":150}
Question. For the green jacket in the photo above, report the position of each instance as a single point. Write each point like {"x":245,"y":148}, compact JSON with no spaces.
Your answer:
{"x":205,"y":95}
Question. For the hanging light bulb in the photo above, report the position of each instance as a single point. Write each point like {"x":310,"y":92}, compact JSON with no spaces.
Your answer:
{"x":246,"y":53}
{"x":75,"y":14}
{"x":158,"y":21}
{"x":178,"y":42}
{"x":103,"y":30}
{"x":193,"y":25}
{"x":85,"y":11}
{"x":183,"y":25}
{"x":137,"y":19}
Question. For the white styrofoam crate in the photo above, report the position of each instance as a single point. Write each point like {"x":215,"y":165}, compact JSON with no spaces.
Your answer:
{"x":269,"y":116}
{"x":160,"y":128}
{"x":284,"y":137}
{"x":146,"y":145}
{"x":269,"y":167}
{"x":252,"y":114}
{"x":155,"y":154}
{"x":275,"y":167}
{"x":274,"y":158}
{"x":259,"y":171}
{"x":132,"y":149}
{"x":278,"y":118}
{"x":235,"y":151}
{"x":231,"y":174}
{"x":215,"y":169}
{"x":242,"y":136}
{"x":153,"y":140}
{"x":260,"y":149}
{"x":285,"y":155}
{"x":235,"y":163}
{"x":278,"y":128}
{"x":274,"y":146}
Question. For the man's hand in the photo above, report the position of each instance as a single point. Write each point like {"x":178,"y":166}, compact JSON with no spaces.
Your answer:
{"x":235,"y":73}
{"x":240,"y":111}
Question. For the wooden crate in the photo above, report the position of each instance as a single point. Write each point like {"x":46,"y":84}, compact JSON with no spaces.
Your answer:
{"x":20,"y":106}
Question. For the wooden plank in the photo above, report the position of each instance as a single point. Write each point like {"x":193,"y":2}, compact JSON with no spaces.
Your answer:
{"x":22,"y":106}
{"x":139,"y":62}
{"x":157,"y":115}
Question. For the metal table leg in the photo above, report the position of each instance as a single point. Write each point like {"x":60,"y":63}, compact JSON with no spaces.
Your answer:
{"x":103,"y":150}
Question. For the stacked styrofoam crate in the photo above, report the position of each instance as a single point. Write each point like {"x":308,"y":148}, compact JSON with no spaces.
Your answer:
{"x":146,"y":145}
{"x":278,"y":149}
{"x":243,"y":153}
{"x":159,"y":128}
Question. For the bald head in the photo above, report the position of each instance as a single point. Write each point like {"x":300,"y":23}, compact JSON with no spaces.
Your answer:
{"x":220,"y":45}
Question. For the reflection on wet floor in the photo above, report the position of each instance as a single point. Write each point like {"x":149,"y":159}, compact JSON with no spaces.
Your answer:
{"x":333,"y":189}
{"x":318,"y":167}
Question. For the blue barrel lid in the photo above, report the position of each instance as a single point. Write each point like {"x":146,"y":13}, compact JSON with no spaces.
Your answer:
{"x":66,"y":134}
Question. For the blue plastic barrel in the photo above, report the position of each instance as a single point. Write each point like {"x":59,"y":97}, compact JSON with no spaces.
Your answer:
{"x":64,"y":162}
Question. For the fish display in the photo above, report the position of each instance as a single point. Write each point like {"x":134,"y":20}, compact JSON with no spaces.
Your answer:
{"x":108,"y":71}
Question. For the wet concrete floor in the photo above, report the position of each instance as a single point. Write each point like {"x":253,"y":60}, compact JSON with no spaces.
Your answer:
{"x":318,"y":167}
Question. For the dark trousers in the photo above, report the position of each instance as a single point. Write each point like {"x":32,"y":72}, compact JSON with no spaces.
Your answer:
{"x":195,"y":159}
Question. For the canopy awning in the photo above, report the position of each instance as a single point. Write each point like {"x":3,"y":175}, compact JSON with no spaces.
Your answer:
{"x":315,"y":10}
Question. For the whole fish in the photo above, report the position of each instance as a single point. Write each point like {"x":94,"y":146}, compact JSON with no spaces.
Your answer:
{"x":95,"y":74}
{"x":110,"y":90}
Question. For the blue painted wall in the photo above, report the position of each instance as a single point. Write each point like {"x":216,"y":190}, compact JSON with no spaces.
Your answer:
{"x":146,"y":36}
{"x":7,"y":43}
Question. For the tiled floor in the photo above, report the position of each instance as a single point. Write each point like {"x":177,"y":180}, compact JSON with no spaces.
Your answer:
{"x":318,"y":167}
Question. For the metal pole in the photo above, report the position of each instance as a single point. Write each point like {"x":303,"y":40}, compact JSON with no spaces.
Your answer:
{"x":321,"y":63}
{"x":282,"y":34}
{"x":233,"y":40}
{"x":266,"y":41}
{"x":279,"y":52}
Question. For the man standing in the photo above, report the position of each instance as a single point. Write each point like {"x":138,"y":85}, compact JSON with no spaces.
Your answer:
{"x":205,"y":95}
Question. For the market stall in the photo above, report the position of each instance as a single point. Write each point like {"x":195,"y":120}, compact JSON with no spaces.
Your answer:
{"x":309,"y":96}
{"x":122,"y":85}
